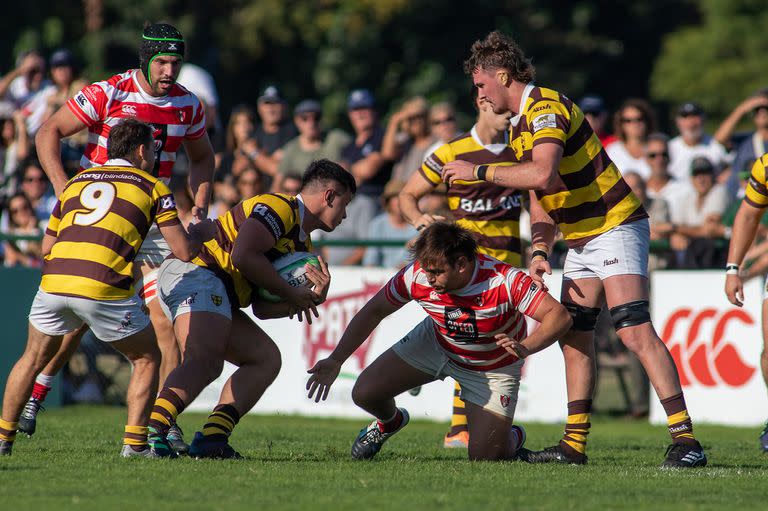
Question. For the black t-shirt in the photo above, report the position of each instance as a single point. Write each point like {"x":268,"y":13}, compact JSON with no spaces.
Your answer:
{"x":354,"y":153}
{"x":271,"y":142}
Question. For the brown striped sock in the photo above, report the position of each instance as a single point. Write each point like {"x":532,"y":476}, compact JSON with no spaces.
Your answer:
{"x":577,"y":427}
{"x":136,"y":437}
{"x":678,"y":420}
{"x":221,"y":422}
{"x":459,"y":416}
{"x":167,"y":407}
{"x":8,"y":430}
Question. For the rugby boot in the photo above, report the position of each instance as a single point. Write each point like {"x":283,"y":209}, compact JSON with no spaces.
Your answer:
{"x":554,"y":454}
{"x":5,"y":447}
{"x":207,"y":447}
{"x":175,"y":439}
{"x":764,"y":438}
{"x":159,"y":446}
{"x":458,"y":441}
{"x":371,"y":438}
{"x":680,"y":455}
{"x":28,"y":418}
{"x":128,"y":452}
{"x":518,"y":438}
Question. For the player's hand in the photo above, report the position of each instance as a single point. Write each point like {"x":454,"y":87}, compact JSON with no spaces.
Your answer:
{"x":734,"y":290}
{"x":205,"y":230}
{"x":320,"y":277}
{"x":199,"y":214}
{"x":537,"y":269}
{"x":323,"y":374}
{"x":512,"y":346}
{"x":458,"y":170}
{"x":301,"y":301}
{"x":426,"y":220}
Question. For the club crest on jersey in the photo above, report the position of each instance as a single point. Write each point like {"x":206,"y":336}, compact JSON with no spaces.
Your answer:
{"x":216,"y":299}
{"x":182,"y":115}
{"x":504,"y":400}
{"x":479,"y":300}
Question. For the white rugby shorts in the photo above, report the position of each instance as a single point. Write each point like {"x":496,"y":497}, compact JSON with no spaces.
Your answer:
{"x":621,"y":251}
{"x":186,"y":287}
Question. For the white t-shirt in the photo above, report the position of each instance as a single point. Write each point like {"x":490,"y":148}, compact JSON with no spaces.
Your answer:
{"x":625,"y":162}
{"x":715,"y":203}
{"x":675,"y":193}
{"x":681,"y":155}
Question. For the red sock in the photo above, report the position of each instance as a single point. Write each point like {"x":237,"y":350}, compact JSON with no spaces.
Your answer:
{"x":39,"y":391}
{"x":392,"y":424}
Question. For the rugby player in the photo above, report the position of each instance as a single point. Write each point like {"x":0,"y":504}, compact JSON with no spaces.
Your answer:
{"x":94,"y":233}
{"x":745,"y":227}
{"x":152,"y":95}
{"x":576,"y":187}
{"x":491,"y":212}
{"x":475,"y":333}
{"x":204,"y":298}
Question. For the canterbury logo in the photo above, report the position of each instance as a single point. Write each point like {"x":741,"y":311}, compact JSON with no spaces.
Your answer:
{"x":706,"y":359}
{"x":129,"y":110}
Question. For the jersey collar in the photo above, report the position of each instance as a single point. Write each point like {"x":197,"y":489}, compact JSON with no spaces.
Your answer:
{"x":302,"y":234}
{"x":118,"y":162}
{"x":526,"y":92}
{"x":494,"y":148}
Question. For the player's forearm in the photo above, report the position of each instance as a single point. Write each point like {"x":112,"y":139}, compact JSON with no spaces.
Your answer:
{"x":361,"y":326}
{"x":48,"y":143}
{"x":726,"y":128}
{"x":743,"y":234}
{"x":409,"y":207}
{"x":200,"y":178}
{"x":257,"y":269}
{"x":530,"y":175}
{"x":554,"y":325}
{"x":543,"y":228}
{"x":268,"y":310}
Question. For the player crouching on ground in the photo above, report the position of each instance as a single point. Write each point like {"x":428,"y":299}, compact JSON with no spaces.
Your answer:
{"x":204,"y":298}
{"x":94,"y":233}
{"x":475,"y":333}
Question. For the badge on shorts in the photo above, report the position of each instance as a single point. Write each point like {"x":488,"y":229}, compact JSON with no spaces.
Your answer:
{"x":504,"y":400}
{"x":216,"y":299}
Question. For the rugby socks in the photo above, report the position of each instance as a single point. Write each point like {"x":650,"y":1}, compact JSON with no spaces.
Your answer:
{"x":8,"y":430}
{"x":136,"y":437}
{"x":678,"y":420}
{"x":577,"y":427}
{"x":43,"y":384}
{"x":167,"y":407}
{"x":392,"y":424}
{"x":221,"y":422}
{"x":459,"y":416}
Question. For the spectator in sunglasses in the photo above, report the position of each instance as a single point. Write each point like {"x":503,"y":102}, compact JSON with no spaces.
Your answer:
{"x":661,"y":184}
{"x":693,"y":142}
{"x":442,"y":120}
{"x":21,"y":220}
{"x":19,"y":85}
{"x":36,"y":187}
{"x":408,"y":138}
{"x":632,"y":124}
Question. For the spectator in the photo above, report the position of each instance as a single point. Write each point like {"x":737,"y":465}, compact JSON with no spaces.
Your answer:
{"x":240,"y":143}
{"x":19,"y":85}
{"x":754,"y":145}
{"x":249,"y":183}
{"x":274,"y":131}
{"x":22,"y":221}
{"x":14,"y":147}
{"x":658,"y":218}
{"x":632,"y":123}
{"x":200,"y":82}
{"x":362,"y":156}
{"x":225,"y":197}
{"x":312,"y":143}
{"x":702,"y":212}
{"x":290,"y":185}
{"x":660,"y":184}
{"x":407,"y":138}
{"x":693,"y":142}
{"x":596,"y":115}
{"x":389,"y":225}
{"x":36,"y":187}
{"x":360,"y":212}
{"x":442,"y":119}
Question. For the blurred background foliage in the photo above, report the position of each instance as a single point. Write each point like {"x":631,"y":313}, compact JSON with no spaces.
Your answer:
{"x":670,"y":51}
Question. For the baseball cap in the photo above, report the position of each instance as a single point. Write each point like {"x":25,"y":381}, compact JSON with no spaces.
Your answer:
{"x":62,"y":58}
{"x":592,"y":104}
{"x":690,"y":108}
{"x":701,"y":165}
{"x":308,"y":106}
{"x":271,"y":94}
{"x":360,"y":98}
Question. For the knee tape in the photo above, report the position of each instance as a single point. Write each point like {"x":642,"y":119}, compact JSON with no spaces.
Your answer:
{"x":584,"y":318}
{"x":630,"y":314}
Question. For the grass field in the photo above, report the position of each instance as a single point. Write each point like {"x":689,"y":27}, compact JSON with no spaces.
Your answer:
{"x":299,"y":463}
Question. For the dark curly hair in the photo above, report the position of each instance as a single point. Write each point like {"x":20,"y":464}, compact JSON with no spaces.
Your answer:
{"x":499,"y":51}
{"x":443,"y":241}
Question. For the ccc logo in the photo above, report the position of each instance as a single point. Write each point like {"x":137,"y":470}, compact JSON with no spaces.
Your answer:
{"x":704,"y":360}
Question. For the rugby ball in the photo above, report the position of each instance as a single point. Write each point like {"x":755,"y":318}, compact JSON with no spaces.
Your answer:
{"x":290,"y":267}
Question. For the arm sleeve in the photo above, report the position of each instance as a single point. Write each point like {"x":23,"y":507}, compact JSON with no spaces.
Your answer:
{"x":275,"y":214}
{"x":525,"y":294}
{"x":165,"y":212}
{"x":397,"y":290}
{"x":53,"y":223}
{"x":197,"y":128}
{"x":90,"y":104}
{"x":432,"y":168}
{"x":756,"y":194}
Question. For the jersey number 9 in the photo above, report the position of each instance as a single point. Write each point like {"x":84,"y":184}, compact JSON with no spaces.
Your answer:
{"x":98,"y":198}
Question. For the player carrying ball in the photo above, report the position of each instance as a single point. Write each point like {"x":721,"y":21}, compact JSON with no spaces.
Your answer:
{"x":475,"y":333}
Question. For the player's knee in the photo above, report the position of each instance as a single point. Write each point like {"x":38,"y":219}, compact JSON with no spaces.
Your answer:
{"x":584,"y":318}
{"x":362,"y":394}
{"x":630,"y":314}
{"x":272,"y":363}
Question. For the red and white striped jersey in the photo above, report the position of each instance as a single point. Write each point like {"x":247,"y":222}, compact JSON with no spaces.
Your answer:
{"x":176,"y":117}
{"x":467,"y":319}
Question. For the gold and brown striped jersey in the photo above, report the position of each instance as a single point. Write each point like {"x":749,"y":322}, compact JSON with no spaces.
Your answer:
{"x":490,"y":211}
{"x":280,"y":214}
{"x":757,"y":191}
{"x":100,"y":221}
{"x":590,"y":196}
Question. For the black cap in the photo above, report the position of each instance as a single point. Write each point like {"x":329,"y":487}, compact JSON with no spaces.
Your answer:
{"x":592,"y":104}
{"x":701,"y":165}
{"x":271,"y":94}
{"x":62,"y":58}
{"x":690,"y":108}
{"x":308,"y":106}
{"x":360,"y":98}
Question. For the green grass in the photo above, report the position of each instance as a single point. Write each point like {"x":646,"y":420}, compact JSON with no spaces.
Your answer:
{"x":299,"y":463}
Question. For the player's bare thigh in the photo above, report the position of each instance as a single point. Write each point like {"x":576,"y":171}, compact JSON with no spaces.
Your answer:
{"x":249,"y":344}
{"x":203,"y":335}
{"x":585,"y":292}
{"x":489,"y":434}
{"x":622,"y":289}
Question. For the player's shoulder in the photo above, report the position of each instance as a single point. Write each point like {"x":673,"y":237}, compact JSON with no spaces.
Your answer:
{"x":542,"y":100}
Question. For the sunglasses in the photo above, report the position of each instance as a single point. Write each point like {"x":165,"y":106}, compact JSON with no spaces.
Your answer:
{"x":309,"y":117}
{"x":663,"y":154}
{"x":757,"y":110}
{"x":446,"y":120}
{"x":416,"y":117}
{"x":250,"y":182}
{"x":632,"y":120}
{"x":34,"y":179}
{"x":19,"y":209}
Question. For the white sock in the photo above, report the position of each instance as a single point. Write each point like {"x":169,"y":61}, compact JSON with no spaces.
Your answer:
{"x":44,"y":379}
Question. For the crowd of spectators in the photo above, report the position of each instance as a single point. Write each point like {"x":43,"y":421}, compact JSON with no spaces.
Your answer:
{"x":691,"y":182}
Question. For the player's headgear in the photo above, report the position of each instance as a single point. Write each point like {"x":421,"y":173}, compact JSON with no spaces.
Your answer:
{"x":159,"y":39}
